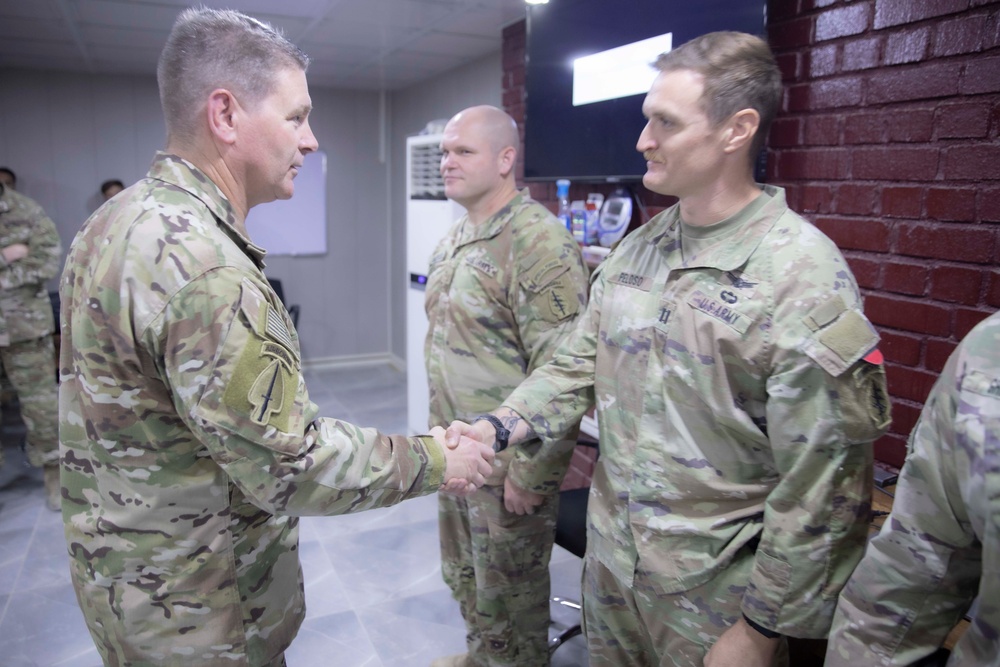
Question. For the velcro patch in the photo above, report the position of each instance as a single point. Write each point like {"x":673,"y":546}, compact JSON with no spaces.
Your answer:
{"x":266,"y":395}
{"x":482,"y":264}
{"x":826,"y":312}
{"x":644,"y":283}
{"x":276,"y":328}
{"x":263,"y":381}
{"x":719,"y":310}
{"x":850,"y":337}
{"x":281,"y":354}
{"x":544,"y":274}
{"x":561,"y":302}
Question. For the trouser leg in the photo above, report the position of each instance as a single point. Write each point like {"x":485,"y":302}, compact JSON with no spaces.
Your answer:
{"x":456,"y":563}
{"x":506,"y":602}
{"x":641,"y":626}
{"x":511,"y":554}
{"x":31,"y":367}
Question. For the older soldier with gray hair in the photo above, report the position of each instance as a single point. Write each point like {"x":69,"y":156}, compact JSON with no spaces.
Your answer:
{"x":940,"y":547}
{"x":738,"y":390}
{"x":189,"y":443}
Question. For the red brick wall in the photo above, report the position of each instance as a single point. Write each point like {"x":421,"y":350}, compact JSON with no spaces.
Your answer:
{"x":888,"y":142}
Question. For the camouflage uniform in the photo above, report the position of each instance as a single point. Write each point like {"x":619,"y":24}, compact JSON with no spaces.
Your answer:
{"x":736,"y":414}
{"x":26,"y":324}
{"x":189,"y":443}
{"x":500,"y":297}
{"x":940,"y":546}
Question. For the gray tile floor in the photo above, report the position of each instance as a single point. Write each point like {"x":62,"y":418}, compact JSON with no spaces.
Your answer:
{"x":373,"y":585}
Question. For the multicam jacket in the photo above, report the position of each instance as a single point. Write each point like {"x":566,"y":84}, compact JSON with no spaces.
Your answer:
{"x":25,"y":308}
{"x":500,"y":297}
{"x":940,"y":547}
{"x":735,"y":408}
{"x":189,"y":443}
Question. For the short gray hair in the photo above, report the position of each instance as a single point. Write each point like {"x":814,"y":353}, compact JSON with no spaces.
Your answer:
{"x":218,"y":48}
{"x":739,"y":72}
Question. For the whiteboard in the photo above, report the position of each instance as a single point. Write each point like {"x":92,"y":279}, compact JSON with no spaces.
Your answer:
{"x":295,"y":226}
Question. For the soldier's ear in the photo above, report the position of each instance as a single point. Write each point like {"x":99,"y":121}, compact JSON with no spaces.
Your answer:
{"x":740,"y":129}
{"x":506,"y":160}
{"x":222,"y":109}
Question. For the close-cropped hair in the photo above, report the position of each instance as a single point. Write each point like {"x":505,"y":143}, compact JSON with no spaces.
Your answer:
{"x":739,"y":72}
{"x":215,"y":48}
{"x":13,"y":176}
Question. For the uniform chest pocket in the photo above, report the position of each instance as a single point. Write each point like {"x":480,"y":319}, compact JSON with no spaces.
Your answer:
{"x":439,"y":278}
{"x":628,"y":312}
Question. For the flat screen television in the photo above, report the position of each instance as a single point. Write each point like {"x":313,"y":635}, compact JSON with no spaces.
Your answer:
{"x":583,"y":117}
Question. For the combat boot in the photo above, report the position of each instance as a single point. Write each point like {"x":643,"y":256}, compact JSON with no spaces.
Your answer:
{"x":53,"y":487}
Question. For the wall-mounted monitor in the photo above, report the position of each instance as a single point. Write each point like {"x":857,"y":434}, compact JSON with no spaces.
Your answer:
{"x":589,"y":68}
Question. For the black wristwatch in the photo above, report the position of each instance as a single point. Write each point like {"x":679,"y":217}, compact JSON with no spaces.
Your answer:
{"x":502,"y":434}
{"x":767,"y":632}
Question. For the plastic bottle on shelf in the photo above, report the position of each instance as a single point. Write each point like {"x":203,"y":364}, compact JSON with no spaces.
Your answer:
{"x":578,"y":221}
{"x":562,"y":195}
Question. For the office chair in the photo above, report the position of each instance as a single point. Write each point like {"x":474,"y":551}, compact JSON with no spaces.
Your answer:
{"x":293,"y":310}
{"x":571,"y":535}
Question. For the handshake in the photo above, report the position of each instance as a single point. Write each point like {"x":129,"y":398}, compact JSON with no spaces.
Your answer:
{"x":469,"y":460}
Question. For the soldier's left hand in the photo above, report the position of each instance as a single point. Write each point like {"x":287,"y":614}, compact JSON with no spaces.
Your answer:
{"x":518,"y":500}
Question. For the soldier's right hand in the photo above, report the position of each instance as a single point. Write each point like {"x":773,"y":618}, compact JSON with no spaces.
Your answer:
{"x":468,"y":463}
{"x":481,"y":431}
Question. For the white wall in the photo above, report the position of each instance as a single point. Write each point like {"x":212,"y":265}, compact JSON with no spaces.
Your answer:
{"x":479,"y":82}
{"x":66,"y":133}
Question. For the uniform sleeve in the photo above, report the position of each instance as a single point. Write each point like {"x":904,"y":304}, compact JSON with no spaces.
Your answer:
{"x":44,"y":254}
{"x":920,"y":573}
{"x":233,"y":365}
{"x":825,"y":405}
{"x":551,"y":295}
{"x":554,"y":398}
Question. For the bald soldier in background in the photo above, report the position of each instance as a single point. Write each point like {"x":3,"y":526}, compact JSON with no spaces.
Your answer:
{"x":940,"y":547}
{"x":30,"y":253}
{"x":189,"y":443}
{"x":504,"y":287}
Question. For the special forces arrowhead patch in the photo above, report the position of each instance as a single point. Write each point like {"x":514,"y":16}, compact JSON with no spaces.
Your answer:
{"x":263,"y":382}
{"x":562,"y":302}
{"x":266,"y":394}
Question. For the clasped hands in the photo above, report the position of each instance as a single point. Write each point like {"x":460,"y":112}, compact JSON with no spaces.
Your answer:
{"x":470,"y":448}
{"x":14,"y":252}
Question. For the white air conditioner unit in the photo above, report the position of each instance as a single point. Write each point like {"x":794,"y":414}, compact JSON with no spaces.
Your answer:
{"x":429,"y":216}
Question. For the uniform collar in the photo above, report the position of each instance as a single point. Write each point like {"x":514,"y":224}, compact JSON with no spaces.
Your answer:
{"x":735,"y":248}
{"x":495,"y":223}
{"x":182,"y":174}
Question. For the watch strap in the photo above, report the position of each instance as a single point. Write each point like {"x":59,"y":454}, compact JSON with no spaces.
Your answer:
{"x":502,"y":434}
{"x":770,"y":634}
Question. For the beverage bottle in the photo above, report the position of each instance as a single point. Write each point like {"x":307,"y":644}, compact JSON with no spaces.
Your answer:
{"x":562,"y":195}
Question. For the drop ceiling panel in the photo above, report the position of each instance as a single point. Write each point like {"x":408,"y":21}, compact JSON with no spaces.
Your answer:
{"x":369,"y":44}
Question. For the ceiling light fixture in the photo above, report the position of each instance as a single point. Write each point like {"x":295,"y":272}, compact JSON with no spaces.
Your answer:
{"x":536,"y":2}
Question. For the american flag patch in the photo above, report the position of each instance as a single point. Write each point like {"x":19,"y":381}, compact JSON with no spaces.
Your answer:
{"x":277,"y":330}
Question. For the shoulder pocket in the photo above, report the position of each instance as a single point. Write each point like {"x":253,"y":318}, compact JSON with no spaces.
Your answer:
{"x":841,"y":342}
